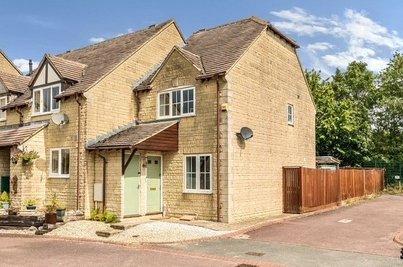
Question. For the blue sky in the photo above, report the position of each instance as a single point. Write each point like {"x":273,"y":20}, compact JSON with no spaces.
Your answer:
{"x":331,"y":33}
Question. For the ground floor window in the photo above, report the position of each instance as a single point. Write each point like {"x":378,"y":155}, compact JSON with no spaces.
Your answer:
{"x":60,"y":163}
{"x":198,"y":174}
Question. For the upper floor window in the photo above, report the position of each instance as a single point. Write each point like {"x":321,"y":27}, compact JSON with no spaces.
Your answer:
{"x":3,"y":102}
{"x":177,"y":103}
{"x":290,"y":114}
{"x":44,"y":101}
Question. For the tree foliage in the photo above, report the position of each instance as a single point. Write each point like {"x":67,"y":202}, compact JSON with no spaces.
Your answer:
{"x":344,"y":104}
{"x":388,"y":112}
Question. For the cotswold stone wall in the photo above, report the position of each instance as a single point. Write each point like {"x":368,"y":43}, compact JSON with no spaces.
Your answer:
{"x":260,"y":86}
{"x":5,"y":66}
{"x":196,"y":136}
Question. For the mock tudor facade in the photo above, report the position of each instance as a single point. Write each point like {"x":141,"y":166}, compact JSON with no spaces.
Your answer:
{"x":158,"y":130}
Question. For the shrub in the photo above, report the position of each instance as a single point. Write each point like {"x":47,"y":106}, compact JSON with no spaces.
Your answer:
{"x":108,"y":216}
{"x":4,"y":197}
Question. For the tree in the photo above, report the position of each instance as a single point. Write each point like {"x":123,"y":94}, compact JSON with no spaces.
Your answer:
{"x":344,"y":102}
{"x":388,"y":113}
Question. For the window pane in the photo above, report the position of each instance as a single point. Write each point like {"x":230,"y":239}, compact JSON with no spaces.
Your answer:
{"x":55,"y":92}
{"x":164,"y":104}
{"x":290,"y":115}
{"x":188,"y":102}
{"x":190,"y":172}
{"x":37,"y":101}
{"x":204,"y":172}
{"x":65,"y":161}
{"x":176,"y":103}
{"x":55,"y":161}
{"x":46,"y":99}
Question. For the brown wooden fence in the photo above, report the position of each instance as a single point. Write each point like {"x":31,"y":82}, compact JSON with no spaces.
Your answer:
{"x":306,"y":189}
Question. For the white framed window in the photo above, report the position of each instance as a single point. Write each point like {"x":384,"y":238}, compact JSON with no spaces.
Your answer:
{"x":177,"y":103}
{"x":44,"y":101}
{"x":290,"y":114}
{"x":198,"y":174}
{"x":3,"y":102}
{"x":59,"y":163}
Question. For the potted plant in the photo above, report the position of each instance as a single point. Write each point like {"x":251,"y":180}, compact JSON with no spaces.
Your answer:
{"x":14,"y":158}
{"x":50,"y":210}
{"x":30,"y":203}
{"x":28,"y":156}
{"x":5,"y":200}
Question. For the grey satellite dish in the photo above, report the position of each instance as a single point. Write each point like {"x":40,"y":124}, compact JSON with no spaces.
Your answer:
{"x":59,"y":118}
{"x":245,"y":133}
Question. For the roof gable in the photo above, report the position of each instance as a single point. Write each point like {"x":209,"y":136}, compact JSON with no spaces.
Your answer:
{"x":194,"y":60}
{"x":102,"y":58}
{"x":52,"y":69}
{"x":221,"y":47}
{"x":5,"y":60}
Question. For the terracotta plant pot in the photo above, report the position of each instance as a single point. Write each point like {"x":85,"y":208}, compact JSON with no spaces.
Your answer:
{"x":50,"y":218}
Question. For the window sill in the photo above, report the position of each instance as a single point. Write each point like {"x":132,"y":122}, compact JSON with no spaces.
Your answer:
{"x":59,"y":176}
{"x":3,"y":119}
{"x":291,"y":124}
{"x":176,"y":117}
{"x":198,"y":192}
{"x":43,"y":114}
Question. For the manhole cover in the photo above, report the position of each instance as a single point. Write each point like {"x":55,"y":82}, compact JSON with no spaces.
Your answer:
{"x":345,"y":221}
{"x":259,"y":254}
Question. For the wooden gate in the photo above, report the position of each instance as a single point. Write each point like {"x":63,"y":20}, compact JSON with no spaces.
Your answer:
{"x":292,"y":190}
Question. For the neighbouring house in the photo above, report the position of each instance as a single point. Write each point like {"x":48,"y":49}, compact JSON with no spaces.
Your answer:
{"x":70,"y":99}
{"x":214,"y":124}
{"x":12,"y":85}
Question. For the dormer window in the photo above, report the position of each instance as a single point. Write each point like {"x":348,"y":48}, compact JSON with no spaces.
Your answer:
{"x":44,"y":101}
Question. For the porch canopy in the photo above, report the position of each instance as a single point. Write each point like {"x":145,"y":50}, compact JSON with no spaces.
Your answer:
{"x":156,"y":136}
{"x":14,"y":136}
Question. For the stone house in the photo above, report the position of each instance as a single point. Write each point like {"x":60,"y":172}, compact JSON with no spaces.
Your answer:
{"x":70,"y":99}
{"x":12,"y":85}
{"x":143,"y":124}
{"x":190,"y":149}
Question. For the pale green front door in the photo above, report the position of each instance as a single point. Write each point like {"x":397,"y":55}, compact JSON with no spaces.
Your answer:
{"x":132,"y":186}
{"x":153,"y":184}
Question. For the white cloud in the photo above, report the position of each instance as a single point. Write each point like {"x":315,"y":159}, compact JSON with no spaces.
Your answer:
{"x":23,"y":64}
{"x":298,"y":21}
{"x":95,"y":40}
{"x":362,"y":38}
{"x":319,"y":46}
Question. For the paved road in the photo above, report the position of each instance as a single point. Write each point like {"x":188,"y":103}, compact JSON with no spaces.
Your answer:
{"x":362,"y":238}
{"x":36,"y":251}
{"x":368,"y":228}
